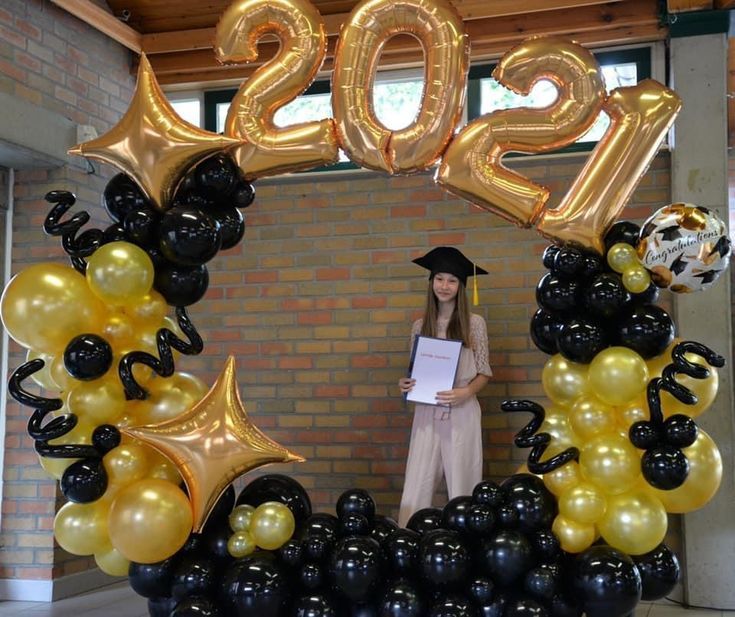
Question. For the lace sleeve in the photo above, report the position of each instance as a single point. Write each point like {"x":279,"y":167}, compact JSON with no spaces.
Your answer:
{"x":478,"y":341}
{"x":415,"y":331}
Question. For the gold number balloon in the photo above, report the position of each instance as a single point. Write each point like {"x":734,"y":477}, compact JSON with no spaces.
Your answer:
{"x":439,"y":29}
{"x":640,"y":115}
{"x":269,"y":150}
{"x":471,"y":167}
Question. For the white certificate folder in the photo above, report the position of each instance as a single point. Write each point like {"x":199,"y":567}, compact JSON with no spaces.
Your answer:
{"x":433,"y":365}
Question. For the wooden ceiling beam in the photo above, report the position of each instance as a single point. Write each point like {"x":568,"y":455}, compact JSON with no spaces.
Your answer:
{"x":103,"y":21}
{"x":680,"y":6}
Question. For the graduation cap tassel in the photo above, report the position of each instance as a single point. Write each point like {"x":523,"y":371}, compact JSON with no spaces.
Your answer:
{"x":475,"y":294}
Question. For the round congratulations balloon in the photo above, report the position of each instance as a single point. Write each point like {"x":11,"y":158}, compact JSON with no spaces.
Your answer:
{"x":684,"y":247}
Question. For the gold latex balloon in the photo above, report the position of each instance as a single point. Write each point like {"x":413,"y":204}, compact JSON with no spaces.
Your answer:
{"x":43,"y":377}
{"x":46,"y":305}
{"x":101,"y":401}
{"x":563,"y":478}
{"x":556,"y":424}
{"x":80,"y":434}
{"x":472,"y":167}
{"x":640,"y":116}
{"x":589,"y":417}
{"x":149,"y":520}
{"x":564,"y":381}
{"x":705,"y":475}
{"x":269,"y":150}
{"x":241,"y":544}
{"x":168,"y":397}
{"x":60,"y":375}
{"x":573,"y":537}
{"x":112,"y":562}
{"x":151,"y":143}
{"x":120,"y":273}
{"x":81,"y":528}
{"x":118,"y":330}
{"x":636,"y":279}
{"x":632,"y":412}
{"x":617,"y":375}
{"x":148,"y":311}
{"x":126,"y":464}
{"x":634,"y":522}
{"x":272,"y":525}
{"x":241,"y":517}
{"x":704,"y":389}
{"x":161,"y":468}
{"x":621,"y":256}
{"x":212,"y":444}
{"x":439,"y":29}
{"x":584,"y":503}
{"x":611,"y":462}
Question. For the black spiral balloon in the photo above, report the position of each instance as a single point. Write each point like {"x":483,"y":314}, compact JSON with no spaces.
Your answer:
{"x":77,"y":247}
{"x":53,"y":429}
{"x":164,"y":364}
{"x":527,"y":437}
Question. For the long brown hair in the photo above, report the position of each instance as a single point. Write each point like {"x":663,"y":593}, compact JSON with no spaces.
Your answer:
{"x":458,"y":328}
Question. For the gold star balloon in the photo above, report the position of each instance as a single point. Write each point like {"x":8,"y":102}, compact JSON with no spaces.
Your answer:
{"x":213,"y":443}
{"x":151,"y":143}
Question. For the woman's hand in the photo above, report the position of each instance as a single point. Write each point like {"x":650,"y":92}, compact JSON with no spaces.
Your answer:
{"x":405,"y":384}
{"x":455,"y":396}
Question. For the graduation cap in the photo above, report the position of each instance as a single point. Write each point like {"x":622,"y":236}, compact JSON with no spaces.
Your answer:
{"x":451,"y":260}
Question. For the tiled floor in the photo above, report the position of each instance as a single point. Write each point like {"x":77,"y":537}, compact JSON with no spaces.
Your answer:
{"x":120,"y":601}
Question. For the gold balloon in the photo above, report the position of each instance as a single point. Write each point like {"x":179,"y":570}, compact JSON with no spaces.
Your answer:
{"x":149,"y":520}
{"x":705,"y":475}
{"x":634,"y":411}
{"x":212,"y":444}
{"x":636,"y":279}
{"x":617,"y":375}
{"x":269,"y":150}
{"x":80,"y":434}
{"x":439,"y":29}
{"x":118,"y":330}
{"x":704,"y":389}
{"x":589,"y":417}
{"x":574,"y":537}
{"x":472,"y":167}
{"x":81,"y":528}
{"x":556,"y":424}
{"x":639,"y":115}
{"x":272,"y":525}
{"x":46,"y":305}
{"x":101,"y":401}
{"x":43,"y":377}
{"x":112,"y":562}
{"x":634,"y":522}
{"x":149,"y":311}
{"x":120,"y":273}
{"x":622,"y":256}
{"x":584,"y":503}
{"x":126,"y":464}
{"x":60,"y":375}
{"x":151,"y":143}
{"x":168,"y":397}
{"x":241,"y":544}
{"x":241,"y":517}
{"x":563,"y":478}
{"x":611,"y":462}
{"x":161,"y":468}
{"x":564,"y":381}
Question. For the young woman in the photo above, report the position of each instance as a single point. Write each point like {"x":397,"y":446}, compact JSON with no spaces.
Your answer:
{"x":447,"y":436}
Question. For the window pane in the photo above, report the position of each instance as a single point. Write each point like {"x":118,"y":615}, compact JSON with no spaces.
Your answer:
{"x":397,"y":103}
{"x":189,"y":110}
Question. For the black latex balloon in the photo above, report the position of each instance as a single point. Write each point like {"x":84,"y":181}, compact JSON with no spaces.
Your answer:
{"x":535,"y":504}
{"x":545,"y":328}
{"x":496,"y":607}
{"x":649,"y":296}
{"x":354,"y":524}
{"x":481,"y":519}
{"x":454,"y":514}
{"x":197,"y":606}
{"x":506,"y":556}
{"x":253,"y":586}
{"x":606,"y":582}
{"x":488,"y":492}
{"x":606,"y":296}
{"x":216,"y":175}
{"x":444,"y":559}
{"x":665,"y":467}
{"x":679,"y":430}
{"x":506,"y":516}
{"x":355,"y":567}
{"x":425,"y":520}
{"x":401,"y":599}
{"x":221,"y":511}
{"x":549,"y":255}
{"x":194,"y":575}
{"x":193,"y":199}
{"x":356,"y":500}
{"x":215,"y":542}
{"x":114,"y":233}
{"x":315,"y":605}
{"x":231,"y":224}
{"x":402,"y":551}
{"x":659,"y":572}
{"x":161,"y":607}
{"x":383,"y":528}
{"x":180,"y":285}
{"x":311,"y":576}
{"x":568,"y":262}
{"x":84,"y":481}
{"x":622,"y":231}
{"x":580,"y":340}
{"x":188,"y":236}
{"x":321,"y":522}
{"x":644,"y":434}
{"x":278,"y":487}
{"x":291,"y":553}
{"x":121,"y":195}
{"x":317,"y":546}
{"x":564,"y":606}
{"x":481,"y":589}
{"x":542,"y":583}
{"x":87,"y":357}
{"x":152,"y":580}
{"x":591,"y":266}
{"x":647,"y":329}
{"x":243,"y":194}
{"x":525,"y":607}
{"x":546,"y":545}
{"x":105,"y":437}
{"x":141,"y":227}
{"x":453,"y":606}
{"x":556,"y":294}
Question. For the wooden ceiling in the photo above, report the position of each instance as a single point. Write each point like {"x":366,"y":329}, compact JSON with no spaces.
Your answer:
{"x":177,"y":35}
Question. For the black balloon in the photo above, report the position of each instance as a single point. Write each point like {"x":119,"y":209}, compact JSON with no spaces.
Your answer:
{"x":453,"y":606}
{"x":644,"y":434}
{"x":506,"y":516}
{"x":665,"y":467}
{"x":525,"y":607}
{"x":316,"y":546}
{"x":311,"y":576}
{"x":253,"y":587}
{"x":622,"y":231}
{"x":647,"y":329}
{"x":188,"y":236}
{"x":545,"y":328}
{"x":114,"y":233}
{"x":564,"y":606}
{"x":580,"y":340}
{"x":679,"y":430}
{"x":194,"y":575}
{"x":568,"y":262}
{"x":84,"y":481}
{"x":401,"y":599}
{"x":217,"y":174}
{"x":321,"y":522}
{"x":444,"y":559}
{"x":649,"y":296}
{"x":161,"y":607}
{"x":215,"y":542}
{"x":481,"y":519}
{"x":659,"y":572}
{"x":354,"y":524}
{"x":481,"y":589}
{"x":141,"y":227}
{"x":606,"y":582}
{"x":556,"y":294}
{"x":231,"y":224}
{"x":355,"y":567}
{"x":454,"y":514}
{"x":152,"y":580}
{"x":496,"y":607}
{"x":402,"y":551}
{"x":489,"y":493}
{"x":356,"y":500}
{"x":315,"y":605}
{"x":243,"y":195}
{"x":87,"y":357}
{"x":506,"y":556}
{"x":591,"y":265}
{"x":121,"y":195}
{"x":105,"y":437}
{"x":222,"y":509}
{"x":425,"y":520}
{"x":542,"y":583}
{"x":606,"y":295}
{"x":549,"y":255}
{"x":278,"y":487}
{"x":383,"y":528}
{"x":292,"y":553}
{"x":179,"y":285}
{"x":546,"y":545}
{"x":535,"y":504}
{"x":197,"y":606}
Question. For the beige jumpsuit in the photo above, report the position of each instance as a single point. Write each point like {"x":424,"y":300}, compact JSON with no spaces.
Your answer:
{"x":448,"y":439}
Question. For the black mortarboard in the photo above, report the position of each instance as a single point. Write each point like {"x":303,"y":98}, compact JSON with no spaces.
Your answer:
{"x":451,"y":260}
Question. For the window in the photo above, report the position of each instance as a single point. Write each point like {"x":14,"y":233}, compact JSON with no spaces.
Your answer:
{"x":187,"y":105}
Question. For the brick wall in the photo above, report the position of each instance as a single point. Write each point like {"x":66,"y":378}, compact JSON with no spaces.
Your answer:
{"x":54,"y":61}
